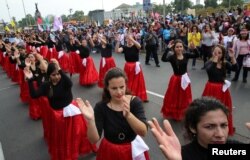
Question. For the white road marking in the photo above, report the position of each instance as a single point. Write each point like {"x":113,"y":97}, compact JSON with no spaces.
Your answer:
{"x":155,"y":94}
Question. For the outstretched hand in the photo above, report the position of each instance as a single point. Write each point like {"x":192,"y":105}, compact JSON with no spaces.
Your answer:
{"x":86,"y":109}
{"x":167,"y":140}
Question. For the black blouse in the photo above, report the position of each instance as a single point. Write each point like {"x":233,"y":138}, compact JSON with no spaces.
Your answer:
{"x":114,"y":124}
{"x":105,"y":52}
{"x":218,"y":74}
{"x":84,"y":51}
{"x":131,"y":53}
{"x":180,"y":65}
{"x":59,"y":95}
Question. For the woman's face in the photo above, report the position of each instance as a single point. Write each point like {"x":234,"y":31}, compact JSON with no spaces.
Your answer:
{"x":117,"y":88}
{"x":212,"y":128}
{"x":32,"y":58}
{"x":218,"y":52}
{"x":55,"y":77}
{"x":178,"y":48}
{"x":84,"y":43}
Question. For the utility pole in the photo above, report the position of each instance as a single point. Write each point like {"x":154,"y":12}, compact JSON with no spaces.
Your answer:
{"x":164,"y":11}
{"x":25,"y":14}
{"x":8,"y":9}
{"x":182,"y":6}
{"x":229,"y":4}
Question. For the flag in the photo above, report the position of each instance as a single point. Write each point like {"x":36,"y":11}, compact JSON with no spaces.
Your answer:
{"x":7,"y":28}
{"x":157,"y":15}
{"x":47,"y":25}
{"x":12,"y":23}
{"x":39,"y":20}
{"x":40,"y":28}
{"x":152,"y":14}
{"x":57,"y":24}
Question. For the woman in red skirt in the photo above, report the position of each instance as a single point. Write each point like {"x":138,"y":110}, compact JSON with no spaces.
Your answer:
{"x":88,"y":73}
{"x":74,"y":58}
{"x":67,"y":137}
{"x":107,"y":61}
{"x":178,"y":95}
{"x":217,"y":85}
{"x":132,"y":68}
{"x":120,"y":116}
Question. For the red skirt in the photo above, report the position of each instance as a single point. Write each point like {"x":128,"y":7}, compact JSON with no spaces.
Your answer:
{"x":28,"y":48}
{"x":34,"y":106}
{"x":16,"y":77}
{"x":12,"y":68}
{"x":24,"y":90}
{"x":109,"y":63}
{"x":6,"y":65}
{"x":215,"y":90}
{"x":51,"y":54}
{"x":68,"y":136}
{"x":136,"y":82}
{"x":1,"y":58}
{"x":111,"y":151}
{"x":176,"y":99}
{"x":46,"y":118}
{"x":88,"y":74}
{"x":74,"y":62}
{"x":64,"y":61}
{"x":44,"y":51}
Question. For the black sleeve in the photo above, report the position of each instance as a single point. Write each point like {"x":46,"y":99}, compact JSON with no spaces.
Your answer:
{"x":192,"y":53}
{"x":232,"y":67}
{"x":136,"y":107}
{"x":99,"y":117}
{"x":209,"y":65}
{"x":67,"y":81}
{"x":12,"y":60}
{"x":167,"y":56}
{"x":35,"y":93}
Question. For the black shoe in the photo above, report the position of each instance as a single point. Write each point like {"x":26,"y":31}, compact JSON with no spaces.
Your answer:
{"x":244,"y":80}
{"x":147,"y":63}
{"x":235,"y":79}
{"x":157,"y":65}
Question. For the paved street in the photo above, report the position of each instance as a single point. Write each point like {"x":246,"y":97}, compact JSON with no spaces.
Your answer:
{"x":22,"y":138}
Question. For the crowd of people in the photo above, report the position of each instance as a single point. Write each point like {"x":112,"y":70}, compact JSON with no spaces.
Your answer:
{"x":39,"y":63}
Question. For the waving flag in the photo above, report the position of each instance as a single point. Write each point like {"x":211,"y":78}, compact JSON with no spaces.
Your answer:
{"x":57,"y":24}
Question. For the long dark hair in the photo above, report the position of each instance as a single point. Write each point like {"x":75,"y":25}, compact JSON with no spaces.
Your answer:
{"x":197,"y":109}
{"x":223,"y":58}
{"x":112,"y":73}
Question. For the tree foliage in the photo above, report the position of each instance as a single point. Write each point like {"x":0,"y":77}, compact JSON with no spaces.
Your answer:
{"x":27,"y":21}
{"x":210,"y":3}
{"x":225,"y":3}
{"x":78,"y":16}
{"x":181,"y":5}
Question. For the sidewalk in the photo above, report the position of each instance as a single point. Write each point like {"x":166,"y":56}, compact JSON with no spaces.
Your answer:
{"x":1,"y":152}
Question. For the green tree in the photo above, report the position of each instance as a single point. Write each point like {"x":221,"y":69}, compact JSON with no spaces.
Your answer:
{"x":27,"y":21}
{"x":198,"y":6}
{"x":181,"y":5}
{"x":64,"y":18}
{"x":226,"y":4}
{"x":210,"y":3}
{"x":78,"y":15}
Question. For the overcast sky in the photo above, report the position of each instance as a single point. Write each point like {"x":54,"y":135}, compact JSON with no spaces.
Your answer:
{"x":59,"y":7}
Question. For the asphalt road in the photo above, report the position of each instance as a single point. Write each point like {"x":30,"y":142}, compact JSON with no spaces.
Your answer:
{"x":22,"y":138}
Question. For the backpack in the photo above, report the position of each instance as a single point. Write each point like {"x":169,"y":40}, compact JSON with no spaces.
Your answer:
{"x":166,"y":34}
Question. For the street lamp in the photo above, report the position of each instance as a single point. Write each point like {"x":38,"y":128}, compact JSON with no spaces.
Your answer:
{"x":164,"y":11}
{"x":25,"y":14}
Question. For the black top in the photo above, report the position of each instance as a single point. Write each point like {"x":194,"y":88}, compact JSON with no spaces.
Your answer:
{"x":218,"y":74}
{"x":194,"y":151}
{"x":180,"y":65}
{"x":50,"y":43}
{"x":59,"y":95}
{"x":105,"y":52}
{"x":84,"y":51}
{"x":71,"y":47}
{"x":131,"y":53}
{"x":113,"y":123}
{"x":59,"y":44}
